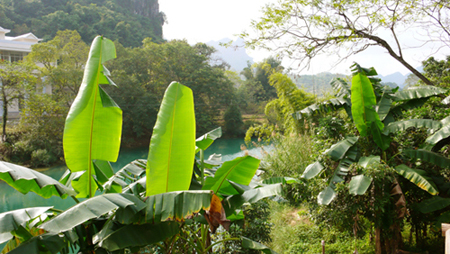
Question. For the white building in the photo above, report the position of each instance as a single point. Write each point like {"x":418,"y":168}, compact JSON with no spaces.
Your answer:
{"x":15,"y":49}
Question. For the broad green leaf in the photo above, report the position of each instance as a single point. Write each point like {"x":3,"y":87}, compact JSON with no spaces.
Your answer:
{"x":433,"y":204}
{"x":326,"y":196}
{"x":384,"y":105}
{"x":231,"y":203}
{"x":312,"y":170}
{"x":439,"y":135}
{"x":25,"y":180}
{"x":338,"y":150}
{"x":382,"y":141}
{"x":240,"y":170}
{"x":417,"y":92}
{"x":138,"y":235}
{"x":359,"y":184}
{"x":341,"y":87}
{"x":89,"y":209}
{"x":446,"y":101}
{"x":250,"y":244}
{"x":416,"y":123}
{"x":94,"y":124}
{"x":206,"y":140}
{"x":282,"y":180}
{"x":126,"y":176}
{"x":176,"y":205}
{"x":53,"y":243}
{"x":172,"y":146}
{"x":367,"y":161}
{"x":418,"y":177}
{"x":326,"y":106}
{"x":428,"y":156}
{"x":363,"y":103}
{"x":10,"y":221}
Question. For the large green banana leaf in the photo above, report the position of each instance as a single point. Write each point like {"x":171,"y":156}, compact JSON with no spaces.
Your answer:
{"x":126,"y":176}
{"x":176,"y":205}
{"x":433,"y":204}
{"x":53,"y":243}
{"x":418,"y":92}
{"x":282,"y":180}
{"x":341,"y":87}
{"x":172,"y":146}
{"x":206,"y":140}
{"x":25,"y":180}
{"x":395,"y":127}
{"x":251,"y":195}
{"x":384,"y":105}
{"x":250,"y":244}
{"x":312,"y":170}
{"x":363,"y":104}
{"x":360,"y":183}
{"x":325,"y":106}
{"x":439,"y":135}
{"x":328,"y":194}
{"x":10,"y":221}
{"x":428,"y":156}
{"x":91,"y":208}
{"x":339,"y":150}
{"x":94,"y":124}
{"x":240,"y":170}
{"x":137,"y":235}
{"x":418,"y":177}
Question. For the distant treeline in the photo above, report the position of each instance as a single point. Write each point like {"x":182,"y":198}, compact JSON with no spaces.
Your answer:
{"x":128,"y":21}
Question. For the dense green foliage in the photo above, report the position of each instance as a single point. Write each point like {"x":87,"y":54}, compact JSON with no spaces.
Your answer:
{"x":144,"y":203}
{"x":144,"y":72}
{"x":129,"y":22}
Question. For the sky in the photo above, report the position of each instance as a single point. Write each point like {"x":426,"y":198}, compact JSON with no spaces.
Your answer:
{"x":207,"y":20}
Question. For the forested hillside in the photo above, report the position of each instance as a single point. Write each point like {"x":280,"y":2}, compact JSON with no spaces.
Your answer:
{"x":129,"y":21}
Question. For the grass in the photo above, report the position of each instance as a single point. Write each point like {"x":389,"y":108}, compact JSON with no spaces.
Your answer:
{"x":294,"y":232}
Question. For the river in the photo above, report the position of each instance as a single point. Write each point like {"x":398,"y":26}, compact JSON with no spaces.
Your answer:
{"x":10,"y":199}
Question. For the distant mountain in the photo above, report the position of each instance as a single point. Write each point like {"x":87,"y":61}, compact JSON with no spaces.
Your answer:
{"x":235,"y":55}
{"x":396,"y":77}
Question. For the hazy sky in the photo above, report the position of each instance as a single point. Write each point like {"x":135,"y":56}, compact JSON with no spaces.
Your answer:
{"x":206,"y":20}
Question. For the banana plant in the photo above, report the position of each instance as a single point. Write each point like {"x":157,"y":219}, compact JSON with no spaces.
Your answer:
{"x":370,"y":107}
{"x":147,"y":201}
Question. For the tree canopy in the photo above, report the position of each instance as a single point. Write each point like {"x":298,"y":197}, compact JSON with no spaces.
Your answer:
{"x":128,"y":21}
{"x":303,"y":29}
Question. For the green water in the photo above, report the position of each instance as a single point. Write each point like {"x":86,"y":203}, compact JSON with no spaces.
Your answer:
{"x":10,"y":199}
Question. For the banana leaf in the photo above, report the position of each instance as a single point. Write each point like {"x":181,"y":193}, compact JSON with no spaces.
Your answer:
{"x":338,"y":150}
{"x":433,"y":204}
{"x":312,"y":170}
{"x":418,"y":177}
{"x":282,"y":180}
{"x":53,"y":243}
{"x":231,"y":203}
{"x":328,"y":194}
{"x":428,"y":156}
{"x":94,"y":124}
{"x":439,"y":135}
{"x":359,"y":184}
{"x":176,"y":206}
{"x":172,"y":146}
{"x":206,"y":140}
{"x":399,"y":126}
{"x":240,"y":170}
{"x":418,"y":92}
{"x":126,"y":176}
{"x":341,"y":87}
{"x":325,"y":106}
{"x":89,"y":209}
{"x":384,"y":105}
{"x":11,"y":220}
{"x":25,"y":180}
{"x":137,"y":235}
{"x":363,"y":103}
{"x":250,"y":244}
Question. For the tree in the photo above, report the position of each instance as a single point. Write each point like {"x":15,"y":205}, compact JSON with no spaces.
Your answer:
{"x":16,"y":81}
{"x":60,"y":62}
{"x":365,"y":158}
{"x":306,"y":28}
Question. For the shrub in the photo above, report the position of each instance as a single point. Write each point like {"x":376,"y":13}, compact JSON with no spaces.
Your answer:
{"x":42,"y":157}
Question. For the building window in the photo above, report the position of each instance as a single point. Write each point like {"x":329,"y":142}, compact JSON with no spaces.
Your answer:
{"x":11,"y":56}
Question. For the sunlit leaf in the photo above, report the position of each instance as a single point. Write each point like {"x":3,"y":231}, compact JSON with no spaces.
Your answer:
{"x":418,"y":177}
